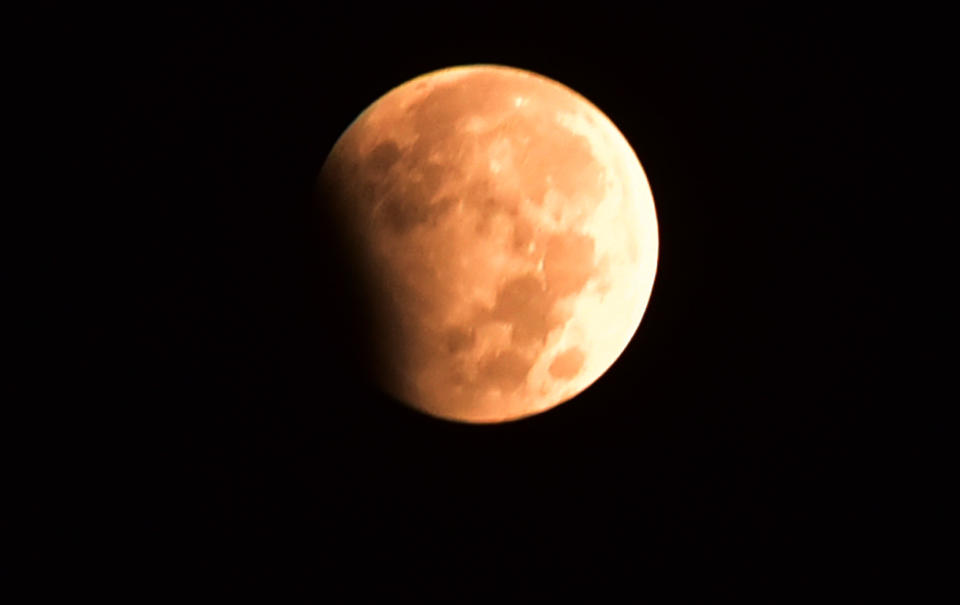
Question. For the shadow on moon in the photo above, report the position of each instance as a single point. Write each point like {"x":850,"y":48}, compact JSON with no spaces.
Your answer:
{"x":359,"y":324}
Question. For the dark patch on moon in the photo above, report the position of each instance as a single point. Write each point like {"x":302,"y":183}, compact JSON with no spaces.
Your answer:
{"x":432,"y":176}
{"x":574,"y":173}
{"x":400,"y":215}
{"x":568,"y":263}
{"x":459,"y":339}
{"x":523,"y":232}
{"x":403,"y":213}
{"x":525,"y":304}
{"x":506,"y":370}
{"x":566,"y":365}
{"x":383,"y":157}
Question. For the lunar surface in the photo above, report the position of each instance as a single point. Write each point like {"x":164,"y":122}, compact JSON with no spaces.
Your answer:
{"x":508,"y":236}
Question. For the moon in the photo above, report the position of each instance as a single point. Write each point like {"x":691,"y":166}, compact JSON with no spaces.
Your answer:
{"x":508,"y":235}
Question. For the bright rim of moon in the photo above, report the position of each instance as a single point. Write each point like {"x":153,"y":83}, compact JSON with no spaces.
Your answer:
{"x":512,"y":235}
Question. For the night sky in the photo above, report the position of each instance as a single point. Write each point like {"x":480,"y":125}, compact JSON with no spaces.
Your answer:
{"x":732,"y":449}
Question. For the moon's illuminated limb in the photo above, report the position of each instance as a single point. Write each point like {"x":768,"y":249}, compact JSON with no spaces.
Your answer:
{"x":513,"y":235}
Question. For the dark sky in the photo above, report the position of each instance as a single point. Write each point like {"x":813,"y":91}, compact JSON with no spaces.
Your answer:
{"x":733,"y":448}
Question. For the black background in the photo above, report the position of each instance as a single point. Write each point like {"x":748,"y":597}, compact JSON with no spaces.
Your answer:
{"x":734,"y":448}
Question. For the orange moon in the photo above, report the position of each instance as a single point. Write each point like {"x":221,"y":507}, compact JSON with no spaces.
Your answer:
{"x":508,"y":232}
